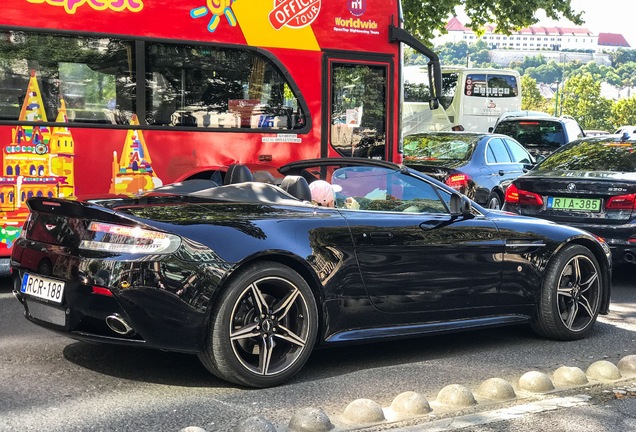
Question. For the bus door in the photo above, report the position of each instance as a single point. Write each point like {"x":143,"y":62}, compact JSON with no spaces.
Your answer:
{"x":358,"y":107}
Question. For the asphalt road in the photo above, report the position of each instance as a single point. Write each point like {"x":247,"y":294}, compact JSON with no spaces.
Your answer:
{"x":49,"y":382}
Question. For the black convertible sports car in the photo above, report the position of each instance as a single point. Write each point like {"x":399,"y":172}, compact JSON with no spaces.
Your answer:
{"x":252,"y":276}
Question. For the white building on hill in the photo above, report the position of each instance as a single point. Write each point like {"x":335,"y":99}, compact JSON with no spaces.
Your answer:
{"x":536,"y":38}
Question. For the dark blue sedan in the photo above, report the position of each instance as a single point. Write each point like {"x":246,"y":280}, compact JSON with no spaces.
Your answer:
{"x":479,"y":165}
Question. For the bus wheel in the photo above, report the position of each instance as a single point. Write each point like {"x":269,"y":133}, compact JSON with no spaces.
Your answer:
{"x":263,"y":328}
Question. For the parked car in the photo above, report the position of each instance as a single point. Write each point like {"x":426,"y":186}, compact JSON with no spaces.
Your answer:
{"x":524,"y":113}
{"x":631,"y":130}
{"x":589,"y":184}
{"x":478,"y":165}
{"x":540,"y":135}
{"x":595,"y":132}
{"x":252,"y":276}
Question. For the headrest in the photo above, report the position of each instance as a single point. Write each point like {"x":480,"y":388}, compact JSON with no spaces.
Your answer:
{"x":237,"y":174}
{"x":297,"y":187}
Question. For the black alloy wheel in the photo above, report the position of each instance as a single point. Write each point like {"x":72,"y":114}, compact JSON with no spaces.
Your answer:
{"x":494,"y":201}
{"x":571,"y":295}
{"x":264,"y":328}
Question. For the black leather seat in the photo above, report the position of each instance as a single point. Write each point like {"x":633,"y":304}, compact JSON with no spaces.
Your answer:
{"x":237,"y":173}
{"x":297,"y":187}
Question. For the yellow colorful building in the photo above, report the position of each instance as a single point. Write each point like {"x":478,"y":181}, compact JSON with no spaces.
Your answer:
{"x":37,"y":162}
{"x":133,"y":173}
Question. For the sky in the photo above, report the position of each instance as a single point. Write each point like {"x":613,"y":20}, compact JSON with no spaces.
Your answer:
{"x":604,"y":16}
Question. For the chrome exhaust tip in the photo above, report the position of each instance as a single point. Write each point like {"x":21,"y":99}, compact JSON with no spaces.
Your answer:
{"x":118,"y":325}
{"x":629,"y":257}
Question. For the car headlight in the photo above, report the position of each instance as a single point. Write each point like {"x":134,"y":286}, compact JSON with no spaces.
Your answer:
{"x":126,"y":239}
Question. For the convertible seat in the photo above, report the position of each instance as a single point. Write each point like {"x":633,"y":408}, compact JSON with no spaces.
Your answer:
{"x":237,"y":173}
{"x":297,"y":187}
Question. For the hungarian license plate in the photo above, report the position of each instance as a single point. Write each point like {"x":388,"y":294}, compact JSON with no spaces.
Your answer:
{"x":574,"y":204}
{"x":42,"y":287}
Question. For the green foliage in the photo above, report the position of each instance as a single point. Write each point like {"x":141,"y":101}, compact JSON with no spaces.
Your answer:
{"x":621,"y":56}
{"x":453,"y":53}
{"x":528,"y":62}
{"x":624,"y":111}
{"x":581,"y":98}
{"x":531,"y":98}
{"x":549,"y":72}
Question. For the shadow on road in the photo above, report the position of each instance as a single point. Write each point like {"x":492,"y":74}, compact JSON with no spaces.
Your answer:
{"x":145,"y":365}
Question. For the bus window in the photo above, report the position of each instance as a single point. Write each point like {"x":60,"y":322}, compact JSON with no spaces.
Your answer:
{"x":85,"y":72}
{"x":491,"y":85}
{"x":215,"y":87}
{"x":359,"y":109}
{"x":449,"y":86}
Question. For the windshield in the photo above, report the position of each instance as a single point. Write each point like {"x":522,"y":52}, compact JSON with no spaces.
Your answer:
{"x":534,"y":132}
{"x":593,"y":155}
{"x":431,"y":147}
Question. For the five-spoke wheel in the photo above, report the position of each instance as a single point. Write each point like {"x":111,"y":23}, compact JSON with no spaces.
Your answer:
{"x":263,"y":328}
{"x":571,"y":295}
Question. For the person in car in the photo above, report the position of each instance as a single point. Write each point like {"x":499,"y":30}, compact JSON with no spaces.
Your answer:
{"x":324,"y":194}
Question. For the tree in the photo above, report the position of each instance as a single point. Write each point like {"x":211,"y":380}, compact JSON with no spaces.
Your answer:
{"x":531,"y":98}
{"x":622,"y":55}
{"x":424,"y":18}
{"x":582,"y":100}
{"x":479,"y":54}
{"x":624,"y":111}
{"x":453,"y":53}
{"x":546,"y":73}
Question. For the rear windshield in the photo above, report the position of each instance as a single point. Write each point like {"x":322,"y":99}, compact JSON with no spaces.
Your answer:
{"x":593,"y":155}
{"x":438,"y":147}
{"x":534,"y":132}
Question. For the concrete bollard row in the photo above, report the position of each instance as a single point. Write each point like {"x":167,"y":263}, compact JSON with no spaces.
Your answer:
{"x":410,"y":404}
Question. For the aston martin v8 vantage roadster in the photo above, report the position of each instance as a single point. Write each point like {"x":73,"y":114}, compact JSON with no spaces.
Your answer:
{"x":252,"y":276}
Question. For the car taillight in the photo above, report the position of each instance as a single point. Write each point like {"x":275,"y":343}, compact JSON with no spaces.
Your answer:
{"x":458,"y":182}
{"x":621,"y":202}
{"x":126,"y":239}
{"x":514,"y":195}
{"x":101,"y":291}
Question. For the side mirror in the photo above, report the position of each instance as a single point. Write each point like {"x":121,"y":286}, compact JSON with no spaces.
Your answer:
{"x":460,"y":205}
{"x":433,"y":104}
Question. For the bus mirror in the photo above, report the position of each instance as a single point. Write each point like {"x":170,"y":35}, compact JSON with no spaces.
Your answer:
{"x":433,"y":104}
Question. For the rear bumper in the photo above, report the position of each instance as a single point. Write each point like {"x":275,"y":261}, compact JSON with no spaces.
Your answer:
{"x":139,"y":317}
{"x":617,"y":238}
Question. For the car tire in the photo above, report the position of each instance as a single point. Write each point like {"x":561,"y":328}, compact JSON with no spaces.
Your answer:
{"x":494,"y":201}
{"x":263,"y":327}
{"x":570,"y":298}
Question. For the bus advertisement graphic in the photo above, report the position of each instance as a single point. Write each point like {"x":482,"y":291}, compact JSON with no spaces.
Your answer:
{"x":294,"y":13}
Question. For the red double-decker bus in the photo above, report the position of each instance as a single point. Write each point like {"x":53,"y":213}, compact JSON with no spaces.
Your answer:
{"x":123,"y":96}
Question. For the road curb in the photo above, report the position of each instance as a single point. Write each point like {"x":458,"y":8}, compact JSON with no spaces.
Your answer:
{"x":411,"y":405}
